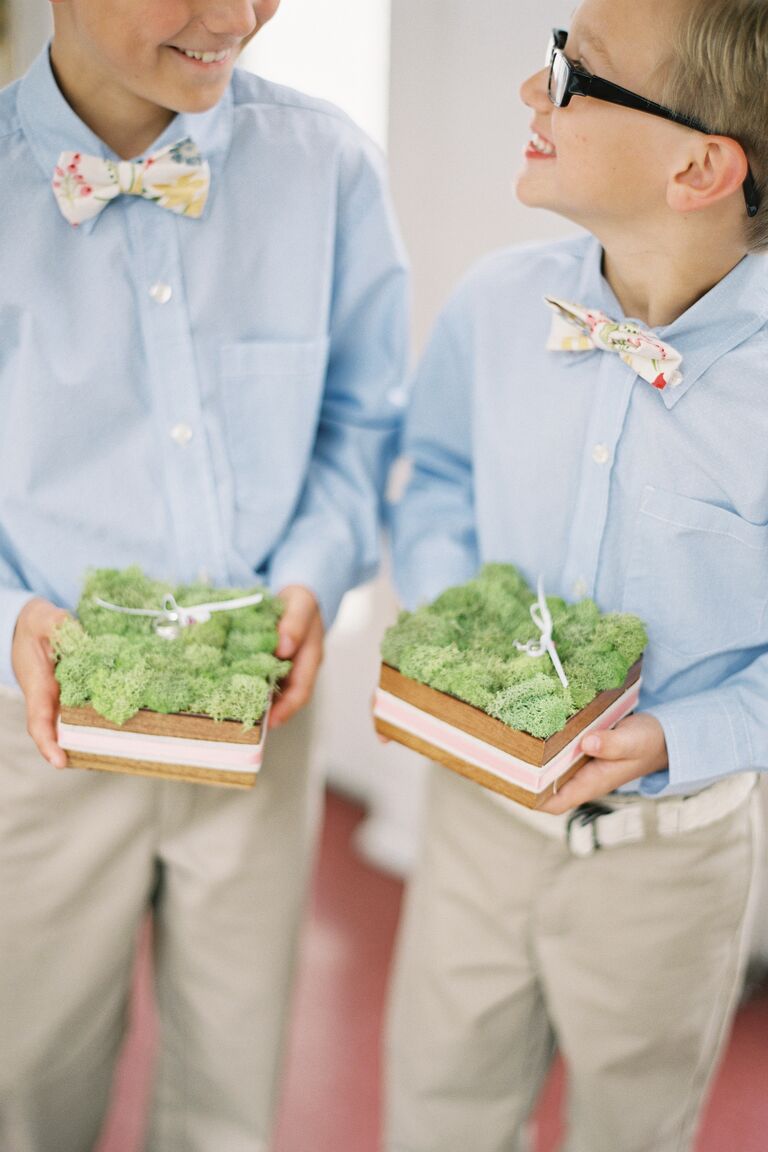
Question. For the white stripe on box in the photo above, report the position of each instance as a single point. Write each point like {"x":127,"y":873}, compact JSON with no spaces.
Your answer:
{"x":218,"y":755}
{"x":481,"y":754}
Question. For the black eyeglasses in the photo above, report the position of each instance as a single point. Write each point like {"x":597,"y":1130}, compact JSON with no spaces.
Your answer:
{"x":566,"y":80}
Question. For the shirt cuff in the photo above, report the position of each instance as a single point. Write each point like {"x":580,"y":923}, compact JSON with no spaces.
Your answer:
{"x":12,"y":600}
{"x":420,"y":576}
{"x":326,"y":575}
{"x":705,"y":740}
{"x":651,"y":785}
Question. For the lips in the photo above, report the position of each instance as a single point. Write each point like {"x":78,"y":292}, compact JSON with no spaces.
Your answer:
{"x":539,"y":146}
{"x":203,"y":56}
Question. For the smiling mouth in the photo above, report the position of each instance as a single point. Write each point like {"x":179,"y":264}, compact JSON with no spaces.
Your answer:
{"x":204,"y":57}
{"x":540,"y":146}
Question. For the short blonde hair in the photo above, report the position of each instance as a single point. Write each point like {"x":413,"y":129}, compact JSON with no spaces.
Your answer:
{"x":719,"y":74}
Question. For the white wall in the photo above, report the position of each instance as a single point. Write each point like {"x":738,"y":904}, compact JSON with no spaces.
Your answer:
{"x":29,"y":23}
{"x":338,"y":50}
{"x":458,"y":130}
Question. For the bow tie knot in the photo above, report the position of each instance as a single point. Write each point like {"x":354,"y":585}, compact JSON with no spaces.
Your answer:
{"x":176,"y":178}
{"x":578,"y":329}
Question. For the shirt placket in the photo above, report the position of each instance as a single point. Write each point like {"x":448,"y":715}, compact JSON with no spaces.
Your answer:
{"x":190,"y":491}
{"x":609,"y":410}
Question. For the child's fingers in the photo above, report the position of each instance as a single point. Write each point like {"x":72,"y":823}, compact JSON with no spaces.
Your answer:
{"x":41,"y":695}
{"x":638,"y":737}
{"x":593,"y":781}
{"x":610,"y":745}
{"x":300,"y":682}
{"x":295,"y":622}
{"x":382,"y":739}
{"x":42,"y":710}
{"x":33,"y":667}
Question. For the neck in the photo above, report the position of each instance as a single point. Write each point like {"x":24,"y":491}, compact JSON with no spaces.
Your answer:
{"x":127,"y":126}
{"x":657,"y":282}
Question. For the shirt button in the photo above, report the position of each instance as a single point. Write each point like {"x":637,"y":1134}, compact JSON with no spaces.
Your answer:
{"x":160,"y":292}
{"x":580,"y":588}
{"x":181,"y":433}
{"x":601,"y":454}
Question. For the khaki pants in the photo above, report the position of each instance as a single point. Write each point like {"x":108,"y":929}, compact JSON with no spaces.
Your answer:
{"x":629,"y":960}
{"x":82,"y":854}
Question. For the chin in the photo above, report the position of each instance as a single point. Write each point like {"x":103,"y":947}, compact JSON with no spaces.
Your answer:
{"x":199,"y":101}
{"x":529,"y":195}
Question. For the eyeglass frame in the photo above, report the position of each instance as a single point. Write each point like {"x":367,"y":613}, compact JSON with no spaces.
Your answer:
{"x":581,"y":83}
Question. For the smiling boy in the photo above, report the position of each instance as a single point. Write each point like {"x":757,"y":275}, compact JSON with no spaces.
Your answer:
{"x":629,"y":464}
{"x":202,"y":327}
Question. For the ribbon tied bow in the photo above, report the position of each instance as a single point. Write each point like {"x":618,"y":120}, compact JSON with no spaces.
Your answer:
{"x":542,"y":618}
{"x":172,"y":618}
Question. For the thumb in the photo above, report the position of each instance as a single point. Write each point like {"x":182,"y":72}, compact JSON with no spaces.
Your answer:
{"x":300,"y":610}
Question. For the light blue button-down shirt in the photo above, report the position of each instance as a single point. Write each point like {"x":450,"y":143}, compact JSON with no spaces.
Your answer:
{"x":213,"y":397}
{"x":573,"y":468}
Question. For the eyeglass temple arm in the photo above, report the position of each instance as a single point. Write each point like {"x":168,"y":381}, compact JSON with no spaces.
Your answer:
{"x":595,"y":86}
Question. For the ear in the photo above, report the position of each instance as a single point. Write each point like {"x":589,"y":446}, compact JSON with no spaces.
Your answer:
{"x":711,"y":170}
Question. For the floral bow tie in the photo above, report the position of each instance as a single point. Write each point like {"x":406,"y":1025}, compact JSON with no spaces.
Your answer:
{"x":577,"y":329}
{"x":176,"y":178}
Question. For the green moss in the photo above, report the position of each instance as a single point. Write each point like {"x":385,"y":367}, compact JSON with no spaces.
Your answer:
{"x":537,"y":704}
{"x":464,"y":644}
{"x":244,"y":697}
{"x":117,"y":694}
{"x":262,"y":664}
{"x":624,"y":633}
{"x":224,"y":667}
{"x":422,"y":627}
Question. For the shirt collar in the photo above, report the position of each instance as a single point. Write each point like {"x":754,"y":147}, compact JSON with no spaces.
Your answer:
{"x":728,"y":314}
{"x":51,"y":126}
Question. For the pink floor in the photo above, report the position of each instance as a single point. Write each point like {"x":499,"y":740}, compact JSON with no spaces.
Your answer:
{"x":332,"y":1081}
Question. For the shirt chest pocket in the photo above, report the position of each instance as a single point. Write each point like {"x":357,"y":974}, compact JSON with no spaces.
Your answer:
{"x":698,"y":576}
{"x":271,"y":392}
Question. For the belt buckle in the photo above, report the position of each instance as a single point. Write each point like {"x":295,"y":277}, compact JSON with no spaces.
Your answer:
{"x":585,"y":817}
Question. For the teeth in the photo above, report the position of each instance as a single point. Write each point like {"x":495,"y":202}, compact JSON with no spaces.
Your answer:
{"x":541,"y":145}
{"x":206,"y":57}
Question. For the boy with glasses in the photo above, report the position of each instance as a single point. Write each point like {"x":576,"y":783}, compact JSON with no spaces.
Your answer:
{"x":612,"y":439}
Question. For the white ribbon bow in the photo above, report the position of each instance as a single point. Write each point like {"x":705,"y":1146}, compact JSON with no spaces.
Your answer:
{"x":171,"y":618}
{"x":542,"y":618}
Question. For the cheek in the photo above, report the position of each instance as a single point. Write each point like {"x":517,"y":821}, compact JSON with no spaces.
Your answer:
{"x":155,"y":23}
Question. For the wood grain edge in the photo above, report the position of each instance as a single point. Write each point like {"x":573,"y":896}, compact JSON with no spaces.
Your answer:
{"x":178,"y":724}
{"x":492,"y":731}
{"x":471,"y":772}
{"x":161,"y":771}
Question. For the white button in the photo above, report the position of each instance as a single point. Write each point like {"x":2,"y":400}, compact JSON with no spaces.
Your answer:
{"x":398,"y":397}
{"x":580,"y":587}
{"x":161,"y":293}
{"x":601,"y":454}
{"x":181,"y":433}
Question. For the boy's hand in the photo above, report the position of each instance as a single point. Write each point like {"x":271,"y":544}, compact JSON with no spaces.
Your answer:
{"x":32,"y":662}
{"x":635,"y":747}
{"x":301,"y":632}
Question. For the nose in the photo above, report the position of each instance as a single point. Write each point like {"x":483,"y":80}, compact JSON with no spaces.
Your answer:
{"x":229,"y":18}
{"x":533,"y":91}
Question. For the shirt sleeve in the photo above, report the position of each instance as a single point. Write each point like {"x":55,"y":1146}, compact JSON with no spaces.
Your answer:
{"x":433,"y":525}
{"x":13,"y":597}
{"x":333,"y":541}
{"x":715,"y":733}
